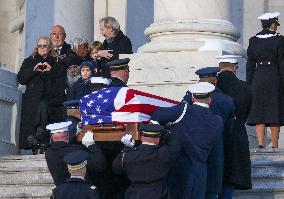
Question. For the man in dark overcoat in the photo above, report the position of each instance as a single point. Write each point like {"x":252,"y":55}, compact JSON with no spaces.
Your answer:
{"x":196,"y":128}
{"x":237,"y":165}
{"x":147,"y":165}
{"x":76,"y":186}
{"x":265,"y":73}
{"x":60,"y":146}
{"x":222,"y":105}
{"x":119,"y":71}
{"x":45,"y":93}
{"x":115,"y":40}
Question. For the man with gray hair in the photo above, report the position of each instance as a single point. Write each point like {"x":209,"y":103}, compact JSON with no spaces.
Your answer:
{"x":57,"y":36}
{"x":114,"y":38}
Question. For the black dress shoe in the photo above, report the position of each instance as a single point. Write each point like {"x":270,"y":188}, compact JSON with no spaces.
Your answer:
{"x":260,"y":146}
{"x":35,"y":151}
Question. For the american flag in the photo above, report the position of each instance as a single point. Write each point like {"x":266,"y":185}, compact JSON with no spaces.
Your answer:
{"x":120,"y":105}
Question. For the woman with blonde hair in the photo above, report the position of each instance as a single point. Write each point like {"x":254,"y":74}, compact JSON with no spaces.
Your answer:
{"x":44,"y":75}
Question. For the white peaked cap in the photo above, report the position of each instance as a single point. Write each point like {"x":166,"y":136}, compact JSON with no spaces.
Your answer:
{"x":100,"y":80}
{"x":201,"y":88}
{"x":58,"y":127}
{"x":269,"y":15}
{"x":228,"y":58}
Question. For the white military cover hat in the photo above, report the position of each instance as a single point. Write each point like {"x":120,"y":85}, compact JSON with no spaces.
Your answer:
{"x":269,"y":15}
{"x":100,"y":80}
{"x":58,"y":127}
{"x":228,"y":59}
{"x":201,"y":90}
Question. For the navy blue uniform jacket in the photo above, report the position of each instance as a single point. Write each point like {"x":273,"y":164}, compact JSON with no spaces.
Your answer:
{"x":58,"y":168}
{"x":222,"y":105}
{"x":196,"y":132}
{"x":147,"y":167}
{"x":74,"y":188}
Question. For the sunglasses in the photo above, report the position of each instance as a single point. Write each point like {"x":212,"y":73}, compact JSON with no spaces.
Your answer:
{"x":42,"y":46}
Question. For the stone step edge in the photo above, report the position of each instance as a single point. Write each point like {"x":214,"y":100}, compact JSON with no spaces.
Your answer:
{"x":268,"y":176}
{"x":20,"y":170}
{"x":260,"y":190}
{"x":28,"y":185}
{"x":268,"y":163}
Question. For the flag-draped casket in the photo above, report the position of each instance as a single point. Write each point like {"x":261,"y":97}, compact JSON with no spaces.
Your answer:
{"x":120,"y":105}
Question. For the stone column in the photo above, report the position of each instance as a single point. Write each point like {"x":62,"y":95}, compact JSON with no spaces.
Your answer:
{"x":189,"y":25}
{"x":10,"y":109}
{"x":76,"y":16}
{"x":186,"y":35}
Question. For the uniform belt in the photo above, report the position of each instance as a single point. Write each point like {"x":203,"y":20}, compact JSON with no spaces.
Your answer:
{"x":264,"y":63}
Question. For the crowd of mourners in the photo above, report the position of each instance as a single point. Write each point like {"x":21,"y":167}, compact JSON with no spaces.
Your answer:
{"x":198,"y":150}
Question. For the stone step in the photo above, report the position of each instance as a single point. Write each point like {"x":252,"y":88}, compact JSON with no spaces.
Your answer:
{"x":257,"y":171}
{"x":25,"y":178}
{"x":28,"y":191}
{"x":267,"y":156}
{"x":268,"y":181}
{"x":23,"y":163}
{"x":260,"y":193}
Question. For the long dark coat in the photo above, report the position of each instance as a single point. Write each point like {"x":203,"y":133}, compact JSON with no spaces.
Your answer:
{"x":223,"y":106}
{"x":74,"y":188}
{"x":121,"y":44}
{"x":237,"y":165}
{"x":58,"y":168}
{"x":147,"y":167}
{"x":196,"y":132}
{"x":266,"y":79}
{"x":49,"y":86}
{"x":116,"y":82}
{"x":79,"y":89}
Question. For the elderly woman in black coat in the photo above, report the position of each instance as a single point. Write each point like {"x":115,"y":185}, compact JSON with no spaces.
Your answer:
{"x":44,"y":75}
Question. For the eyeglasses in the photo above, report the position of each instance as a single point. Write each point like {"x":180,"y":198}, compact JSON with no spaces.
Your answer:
{"x":42,"y":46}
{"x":57,"y":33}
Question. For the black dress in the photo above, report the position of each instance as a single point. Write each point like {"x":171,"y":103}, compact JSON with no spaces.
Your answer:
{"x":265,"y":72}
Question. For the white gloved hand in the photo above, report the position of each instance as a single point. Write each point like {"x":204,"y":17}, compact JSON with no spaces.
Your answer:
{"x":127,"y":140}
{"x":78,"y":128}
{"x":88,"y":139}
